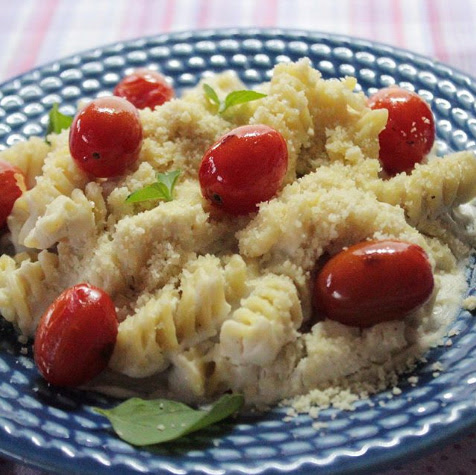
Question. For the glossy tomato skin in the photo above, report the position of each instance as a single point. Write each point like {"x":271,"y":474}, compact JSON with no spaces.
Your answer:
{"x":12,"y":185}
{"x":410,"y":131}
{"x":106,"y":137}
{"x":372,"y":282}
{"x":145,"y":88}
{"x":243,"y":168}
{"x":76,"y":336}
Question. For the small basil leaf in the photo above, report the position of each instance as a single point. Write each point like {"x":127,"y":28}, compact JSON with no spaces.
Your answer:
{"x":147,"y":422}
{"x":232,"y":99}
{"x":211,"y":94}
{"x":57,"y":121}
{"x":239,"y":97}
{"x":151,"y":192}
{"x":162,"y":189}
{"x":169,"y":179}
{"x":226,"y":406}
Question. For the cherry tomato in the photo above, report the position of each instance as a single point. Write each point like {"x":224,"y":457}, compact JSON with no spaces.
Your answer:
{"x":410,"y":131}
{"x":243,"y":168}
{"x":373,"y":282}
{"x":12,"y":185}
{"x":106,"y":136}
{"x":144,"y":88}
{"x":76,"y":336}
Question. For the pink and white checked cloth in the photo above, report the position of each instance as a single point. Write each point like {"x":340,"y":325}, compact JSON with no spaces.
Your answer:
{"x":34,"y":32}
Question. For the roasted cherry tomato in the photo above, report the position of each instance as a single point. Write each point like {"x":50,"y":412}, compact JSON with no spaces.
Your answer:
{"x":145,"y":88}
{"x":106,"y":137}
{"x":243,"y":168}
{"x":410,"y":131}
{"x":12,"y":185}
{"x":76,"y":336}
{"x":373,"y":282}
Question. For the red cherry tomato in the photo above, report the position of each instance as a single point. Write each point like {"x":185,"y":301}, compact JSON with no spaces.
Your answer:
{"x":12,"y":185}
{"x":373,"y":282}
{"x":106,"y":136}
{"x":144,"y":88}
{"x":410,"y":131}
{"x":243,"y":168}
{"x":76,"y":336}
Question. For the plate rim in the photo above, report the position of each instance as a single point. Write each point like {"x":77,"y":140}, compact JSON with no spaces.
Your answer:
{"x":249,"y":31}
{"x":425,"y":444}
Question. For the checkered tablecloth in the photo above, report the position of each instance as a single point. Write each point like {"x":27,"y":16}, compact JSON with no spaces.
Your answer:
{"x":34,"y":32}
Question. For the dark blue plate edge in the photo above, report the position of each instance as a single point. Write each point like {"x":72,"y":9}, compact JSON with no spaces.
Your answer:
{"x":384,"y":459}
{"x":446,"y":69}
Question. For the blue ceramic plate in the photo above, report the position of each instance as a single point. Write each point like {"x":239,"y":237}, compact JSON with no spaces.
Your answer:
{"x":57,"y":430}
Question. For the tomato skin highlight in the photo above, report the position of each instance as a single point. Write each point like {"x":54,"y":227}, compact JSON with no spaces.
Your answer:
{"x":244,"y":167}
{"x":106,"y":137}
{"x":410,"y":131}
{"x":373,"y":282}
{"x":12,"y":185}
{"x":145,"y":88}
{"x":76,"y":336}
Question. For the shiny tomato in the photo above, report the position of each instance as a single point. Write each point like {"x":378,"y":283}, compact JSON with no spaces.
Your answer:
{"x":373,"y":282}
{"x":410,"y":131}
{"x":145,"y":88}
{"x":106,"y":137}
{"x":76,"y":336}
{"x":12,"y":185}
{"x":243,"y":168}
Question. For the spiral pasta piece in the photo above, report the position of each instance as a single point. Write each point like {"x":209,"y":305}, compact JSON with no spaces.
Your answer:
{"x":65,"y":218}
{"x":28,"y":157}
{"x":299,"y":226}
{"x":60,"y":176}
{"x":286,"y":108}
{"x":203,"y":305}
{"x":188,"y":375}
{"x":432,"y":189}
{"x":27,"y":287}
{"x":344,"y":129}
{"x":144,"y":338}
{"x":265,"y":322}
{"x":178,"y":317}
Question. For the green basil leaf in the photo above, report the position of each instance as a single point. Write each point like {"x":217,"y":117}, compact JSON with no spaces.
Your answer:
{"x":150,"y":192}
{"x":239,"y":97}
{"x":211,"y":94}
{"x":147,"y":422}
{"x":232,"y":99}
{"x":57,"y":121}
{"x":226,"y":406}
{"x":169,"y":179}
{"x":162,"y":189}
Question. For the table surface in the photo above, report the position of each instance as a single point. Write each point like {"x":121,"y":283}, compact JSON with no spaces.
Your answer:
{"x":35,"y":32}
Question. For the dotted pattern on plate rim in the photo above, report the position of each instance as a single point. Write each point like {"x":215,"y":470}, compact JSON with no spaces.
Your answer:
{"x":58,"y":428}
